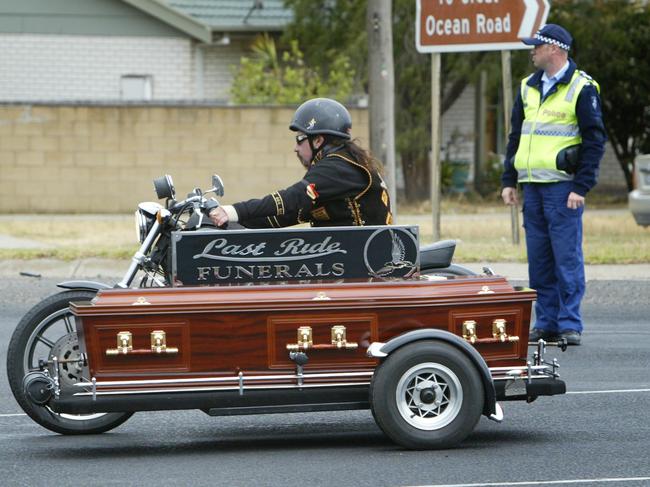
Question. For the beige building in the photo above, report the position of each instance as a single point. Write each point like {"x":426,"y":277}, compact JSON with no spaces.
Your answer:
{"x":128,"y":50}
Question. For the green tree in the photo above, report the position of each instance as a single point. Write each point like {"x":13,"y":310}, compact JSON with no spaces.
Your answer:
{"x":326,"y":29}
{"x":268,"y":77}
{"x":613,"y":48}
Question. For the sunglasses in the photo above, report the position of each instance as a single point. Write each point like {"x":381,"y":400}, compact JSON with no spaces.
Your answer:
{"x":300,"y":138}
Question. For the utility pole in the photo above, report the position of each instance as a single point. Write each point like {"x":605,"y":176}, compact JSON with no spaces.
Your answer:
{"x":381,"y":87}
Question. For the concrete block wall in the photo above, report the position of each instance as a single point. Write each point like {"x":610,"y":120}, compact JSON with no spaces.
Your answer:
{"x":102,"y":159}
{"x":73,"y":67}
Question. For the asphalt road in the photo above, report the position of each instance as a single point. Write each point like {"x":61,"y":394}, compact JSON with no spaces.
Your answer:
{"x":597,"y":434}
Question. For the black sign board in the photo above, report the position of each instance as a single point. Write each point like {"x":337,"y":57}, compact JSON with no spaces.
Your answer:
{"x":244,"y":256}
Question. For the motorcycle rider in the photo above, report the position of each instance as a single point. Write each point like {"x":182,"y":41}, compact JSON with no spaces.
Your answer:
{"x":342,"y":185}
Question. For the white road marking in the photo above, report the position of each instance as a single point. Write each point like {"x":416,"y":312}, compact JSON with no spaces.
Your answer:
{"x":10,"y":415}
{"x":611,"y":391}
{"x":542,"y":482}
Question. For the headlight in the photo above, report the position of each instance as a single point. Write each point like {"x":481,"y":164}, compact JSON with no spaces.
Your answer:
{"x":145,"y":216}
{"x":141,"y":226}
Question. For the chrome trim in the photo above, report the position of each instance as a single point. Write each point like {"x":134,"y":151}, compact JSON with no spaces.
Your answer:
{"x":538,"y":369}
{"x":216,"y":389}
{"x":300,"y":376}
{"x":524,"y":377}
{"x":57,"y":384}
{"x":236,"y":378}
{"x":498,"y":413}
{"x":374,"y":350}
{"x":529,"y":372}
{"x":520,"y":369}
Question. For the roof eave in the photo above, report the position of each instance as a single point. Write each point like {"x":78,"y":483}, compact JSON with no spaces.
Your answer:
{"x":247,"y":28}
{"x":176,"y":19}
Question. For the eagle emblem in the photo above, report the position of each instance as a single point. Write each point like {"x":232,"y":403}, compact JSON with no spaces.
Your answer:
{"x":397,"y":256}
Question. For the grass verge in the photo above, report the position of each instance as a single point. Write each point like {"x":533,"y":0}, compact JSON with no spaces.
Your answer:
{"x":610,"y":236}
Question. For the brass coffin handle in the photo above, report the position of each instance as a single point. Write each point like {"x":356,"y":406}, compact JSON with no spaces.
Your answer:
{"x":158,"y":345}
{"x":338,"y":342}
{"x":499,"y":334}
{"x":124,"y":344}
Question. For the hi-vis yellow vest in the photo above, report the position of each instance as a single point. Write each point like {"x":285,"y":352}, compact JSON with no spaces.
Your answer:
{"x":547,"y":129}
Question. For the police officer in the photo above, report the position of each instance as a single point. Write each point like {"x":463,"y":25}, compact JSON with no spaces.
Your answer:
{"x":554,"y":150}
{"x":342,"y":185}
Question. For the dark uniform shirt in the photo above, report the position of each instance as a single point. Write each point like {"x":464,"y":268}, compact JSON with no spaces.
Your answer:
{"x":336,"y":191}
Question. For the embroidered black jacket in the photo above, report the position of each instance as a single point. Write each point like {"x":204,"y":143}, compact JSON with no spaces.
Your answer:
{"x":336,"y":191}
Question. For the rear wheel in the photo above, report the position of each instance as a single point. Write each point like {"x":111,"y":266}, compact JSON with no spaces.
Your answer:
{"x":48,"y":330}
{"x":427,"y":395}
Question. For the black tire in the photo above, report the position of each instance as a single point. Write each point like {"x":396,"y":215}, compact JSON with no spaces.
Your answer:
{"x":36,"y":334}
{"x":446,"y":408}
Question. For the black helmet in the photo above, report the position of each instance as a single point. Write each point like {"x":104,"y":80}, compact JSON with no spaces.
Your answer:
{"x":322,"y":116}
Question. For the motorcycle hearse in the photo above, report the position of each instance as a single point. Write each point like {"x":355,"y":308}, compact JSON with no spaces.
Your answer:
{"x":254,"y":322}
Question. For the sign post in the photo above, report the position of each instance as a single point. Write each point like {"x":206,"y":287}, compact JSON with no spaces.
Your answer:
{"x":434,"y":173}
{"x":465,"y":26}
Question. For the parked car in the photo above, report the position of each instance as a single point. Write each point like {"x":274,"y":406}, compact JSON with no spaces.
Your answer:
{"x":639,"y":199}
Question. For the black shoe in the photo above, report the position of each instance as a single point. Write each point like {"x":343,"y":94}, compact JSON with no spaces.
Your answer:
{"x":537,"y":334}
{"x":571,"y":337}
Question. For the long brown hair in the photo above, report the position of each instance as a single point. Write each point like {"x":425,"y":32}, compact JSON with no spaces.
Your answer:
{"x":361,"y":155}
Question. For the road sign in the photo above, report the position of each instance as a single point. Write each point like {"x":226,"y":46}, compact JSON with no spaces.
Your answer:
{"x":477,"y":25}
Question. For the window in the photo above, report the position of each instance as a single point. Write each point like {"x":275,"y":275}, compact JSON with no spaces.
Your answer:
{"x":136,"y":87}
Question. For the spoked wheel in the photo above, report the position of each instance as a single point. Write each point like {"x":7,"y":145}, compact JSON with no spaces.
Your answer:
{"x":427,"y":395}
{"x":48,"y":330}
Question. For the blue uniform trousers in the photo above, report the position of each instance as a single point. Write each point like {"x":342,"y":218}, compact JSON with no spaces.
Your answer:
{"x":555,"y":260}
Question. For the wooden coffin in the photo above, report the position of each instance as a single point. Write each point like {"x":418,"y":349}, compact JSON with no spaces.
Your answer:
{"x":222,"y":336}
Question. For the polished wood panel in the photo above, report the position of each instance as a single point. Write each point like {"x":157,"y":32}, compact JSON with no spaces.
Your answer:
{"x":102,"y":336}
{"x":222,"y":331}
{"x":361,"y":329}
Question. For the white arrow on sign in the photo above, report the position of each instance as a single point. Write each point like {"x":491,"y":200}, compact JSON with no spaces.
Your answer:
{"x":528,"y":24}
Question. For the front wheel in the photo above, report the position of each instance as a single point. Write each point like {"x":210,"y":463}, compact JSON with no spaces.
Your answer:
{"x":427,"y":395}
{"x":47,"y":330}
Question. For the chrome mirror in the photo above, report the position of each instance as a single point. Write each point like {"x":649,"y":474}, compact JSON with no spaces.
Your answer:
{"x":217,"y":185}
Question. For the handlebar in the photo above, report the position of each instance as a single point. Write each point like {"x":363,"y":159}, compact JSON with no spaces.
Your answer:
{"x":175,"y":208}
